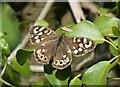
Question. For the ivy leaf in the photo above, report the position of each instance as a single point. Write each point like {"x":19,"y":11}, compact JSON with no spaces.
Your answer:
{"x":76,"y":81}
{"x":10,"y":26}
{"x":85,"y":29}
{"x":23,"y":70}
{"x":42,"y":23}
{"x":112,"y":49}
{"x":43,"y":83}
{"x":57,"y":77}
{"x":115,"y":31}
{"x":97,"y":74}
{"x":105,"y":24}
{"x":22,"y":56}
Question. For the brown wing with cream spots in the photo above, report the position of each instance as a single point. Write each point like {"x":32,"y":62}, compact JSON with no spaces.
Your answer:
{"x":39,"y":34}
{"x":45,"y":52}
{"x":63,"y":56}
{"x":80,"y":46}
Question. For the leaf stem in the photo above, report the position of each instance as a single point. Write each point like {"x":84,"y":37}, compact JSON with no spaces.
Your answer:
{"x":3,"y":69}
{"x":114,"y":61}
{"x":113,"y":78}
{"x":111,"y":44}
{"x":5,"y":82}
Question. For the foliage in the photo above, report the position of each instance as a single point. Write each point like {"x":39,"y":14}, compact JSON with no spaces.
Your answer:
{"x":103,"y":30}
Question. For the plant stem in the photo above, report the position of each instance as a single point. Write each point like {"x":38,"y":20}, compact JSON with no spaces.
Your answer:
{"x":3,"y":69}
{"x":3,"y":81}
{"x":113,"y":78}
{"x":111,"y":44}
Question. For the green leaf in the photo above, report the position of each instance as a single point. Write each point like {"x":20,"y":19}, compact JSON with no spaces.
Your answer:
{"x":4,"y":48}
{"x":115,"y":31}
{"x":103,"y":10}
{"x":41,"y":84}
{"x":105,"y":24}
{"x":42,"y":23}
{"x":85,"y":29}
{"x":10,"y":26}
{"x":57,"y":77}
{"x":112,"y":49}
{"x":76,"y":81}
{"x":23,"y":70}
{"x":97,"y":74}
{"x":22,"y":56}
{"x":10,"y":74}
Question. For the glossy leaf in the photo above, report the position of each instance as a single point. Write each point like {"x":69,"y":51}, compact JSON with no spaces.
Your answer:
{"x":97,"y":74}
{"x":41,"y":84}
{"x":23,"y":70}
{"x":12,"y":76}
{"x":105,"y":24}
{"x":85,"y":29}
{"x":115,"y":31}
{"x":112,"y":49}
{"x":41,"y":23}
{"x":10,"y":26}
{"x":22,"y":56}
{"x":57,"y":77}
{"x":76,"y":81}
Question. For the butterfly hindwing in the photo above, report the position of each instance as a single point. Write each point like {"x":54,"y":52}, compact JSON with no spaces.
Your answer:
{"x":80,"y":45}
{"x":39,"y":34}
{"x":45,"y":52}
{"x":63,"y":56}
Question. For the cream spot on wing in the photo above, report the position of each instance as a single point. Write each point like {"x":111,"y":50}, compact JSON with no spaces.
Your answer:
{"x":43,"y":50}
{"x":35,"y":30}
{"x":81,"y":45}
{"x":42,"y":38}
{"x":75,"y":51}
{"x":69,"y":51}
{"x":64,"y":56}
{"x":78,"y":40}
{"x":61,"y":62}
{"x":36,"y":37}
{"x":45,"y":31}
{"x":80,"y":49}
{"x":31,"y":36}
{"x":37,"y":41}
{"x":40,"y":33}
{"x":38,"y":51}
{"x":84,"y":40}
{"x":49,"y":33}
{"x":56,"y":62}
{"x":45,"y":58}
{"x":67,"y":60}
{"x":74,"y":39}
{"x":42,"y":28}
{"x":88,"y":45}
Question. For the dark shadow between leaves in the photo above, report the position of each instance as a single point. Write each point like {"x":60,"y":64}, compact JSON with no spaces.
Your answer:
{"x":63,"y":74}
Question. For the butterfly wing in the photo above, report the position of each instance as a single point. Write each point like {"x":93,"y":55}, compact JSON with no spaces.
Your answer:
{"x":80,"y":45}
{"x":39,"y":34}
{"x":63,"y":57}
{"x":45,"y":52}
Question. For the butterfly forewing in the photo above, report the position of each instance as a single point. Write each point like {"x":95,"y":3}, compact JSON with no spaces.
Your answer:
{"x":80,"y":45}
{"x":45,"y":51}
{"x":63,"y":56}
{"x":39,"y":34}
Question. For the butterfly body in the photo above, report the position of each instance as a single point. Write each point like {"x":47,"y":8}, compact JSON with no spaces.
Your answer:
{"x":60,"y":48}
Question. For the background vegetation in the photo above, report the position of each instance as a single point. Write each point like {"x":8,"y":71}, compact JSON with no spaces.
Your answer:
{"x":98,"y":21}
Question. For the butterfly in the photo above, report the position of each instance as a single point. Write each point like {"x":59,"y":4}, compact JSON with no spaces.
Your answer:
{"x":59,"y":48}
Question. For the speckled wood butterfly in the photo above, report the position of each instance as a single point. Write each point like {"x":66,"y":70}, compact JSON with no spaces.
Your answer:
{"x":60,"y":48}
